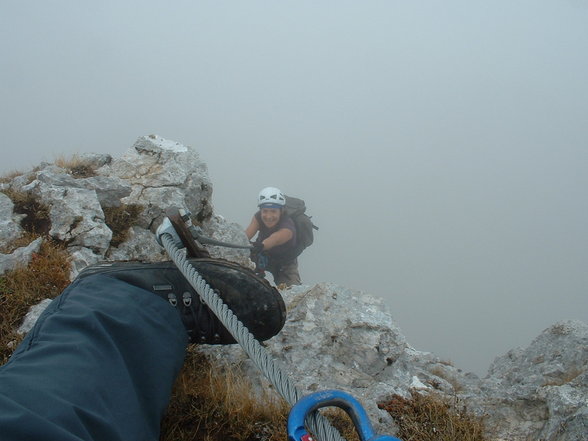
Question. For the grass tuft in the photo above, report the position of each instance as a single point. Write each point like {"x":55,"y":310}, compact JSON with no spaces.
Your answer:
{"x":76,"y":166}
{"x":455,"y":384}
{"x":211,"y":403}
{"x":37,"y":220}
{"x":433,"y":418}
{"x":342,"y":422}
{"x":120,"y":220}
{"x":9,"y":176}
{"x":45,"y":277}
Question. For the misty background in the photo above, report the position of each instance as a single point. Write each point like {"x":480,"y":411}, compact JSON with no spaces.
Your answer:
{"x":441,"y":147}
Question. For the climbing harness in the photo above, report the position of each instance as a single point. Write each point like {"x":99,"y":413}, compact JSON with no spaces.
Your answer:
{"x":172,"y":241}
{"x":343,"y":400}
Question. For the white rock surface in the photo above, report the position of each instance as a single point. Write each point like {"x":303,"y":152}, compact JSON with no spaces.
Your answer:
{"x":32,"y":316}
{"x":9,"y":222}
{"x":163,"y":173}
{"x":19,"y":257}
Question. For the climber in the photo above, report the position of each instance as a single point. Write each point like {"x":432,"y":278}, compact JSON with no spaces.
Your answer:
{"x":274,"y":249}
{"x":102,"y":358}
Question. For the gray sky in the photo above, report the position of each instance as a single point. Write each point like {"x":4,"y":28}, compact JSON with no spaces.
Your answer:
{"x":441,"y":147}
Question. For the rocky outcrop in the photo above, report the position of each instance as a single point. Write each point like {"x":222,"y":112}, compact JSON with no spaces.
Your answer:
{"x":334,"y":337}
{"x":541,"y":389}
{"x":345,"y":339}
{"x":153,"y":174}
{"x":163,"y":173}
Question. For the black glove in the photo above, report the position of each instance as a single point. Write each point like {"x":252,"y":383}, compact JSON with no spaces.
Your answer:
{"x":257,"y":247}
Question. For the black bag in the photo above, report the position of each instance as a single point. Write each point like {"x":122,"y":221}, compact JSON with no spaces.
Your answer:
{"x":296,"y":209}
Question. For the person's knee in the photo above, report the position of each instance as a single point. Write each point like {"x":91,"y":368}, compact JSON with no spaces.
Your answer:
{"x":288,"y":277}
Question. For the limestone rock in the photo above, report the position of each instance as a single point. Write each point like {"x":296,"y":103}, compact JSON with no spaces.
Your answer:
{"x":155,"y":173}
{"x":75,"y":213}
{"x":96,"y":160}
{"x":19,"y":257}
{"x":31,"y":318}
{"x":218,"y":228}
{"x":339,"y":338}
{"x":163,"y":173}
{"x":9,"y":222}
{"x":141,"y":245}
{"x":109,"y":190}
{"x":541,"y":391}
{"x":334,"y":338}
{"x":81,"y":257}
{"x":76,"y":216}
{"x":551,"y":358}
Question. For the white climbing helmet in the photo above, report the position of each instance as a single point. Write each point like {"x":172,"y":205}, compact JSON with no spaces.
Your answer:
{"x":271,"y":197}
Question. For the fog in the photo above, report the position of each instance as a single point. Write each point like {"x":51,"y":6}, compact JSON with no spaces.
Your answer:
{"x":441,"y":147}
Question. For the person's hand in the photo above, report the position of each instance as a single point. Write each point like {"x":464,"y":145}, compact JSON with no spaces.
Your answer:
{"x":257,"y":247}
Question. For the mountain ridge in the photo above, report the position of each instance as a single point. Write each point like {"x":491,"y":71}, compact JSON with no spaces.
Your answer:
{"x":335,"y":337}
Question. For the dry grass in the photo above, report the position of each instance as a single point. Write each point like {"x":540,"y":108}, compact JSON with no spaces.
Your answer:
{"x":433,"y":418}
{"x":37,"y":220}
{"x":120,"y":219}
{"x":342,"y":422}
{"x":439,"y":372}
{"x":213,"y":404}
{"x":9,"y":176}
{"x":45,"y":277}
{"x":76,"y":166}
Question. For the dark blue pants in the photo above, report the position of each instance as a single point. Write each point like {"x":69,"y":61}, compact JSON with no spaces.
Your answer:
{"x":98,"y":365}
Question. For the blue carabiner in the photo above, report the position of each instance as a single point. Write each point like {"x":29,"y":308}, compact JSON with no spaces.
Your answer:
{"x":343,"y":400}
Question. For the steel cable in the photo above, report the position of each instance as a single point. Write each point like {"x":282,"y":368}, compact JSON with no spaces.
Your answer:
{"x":317,"y":424}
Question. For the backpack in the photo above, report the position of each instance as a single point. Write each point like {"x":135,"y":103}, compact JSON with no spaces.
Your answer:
{"x":296,"y":209}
